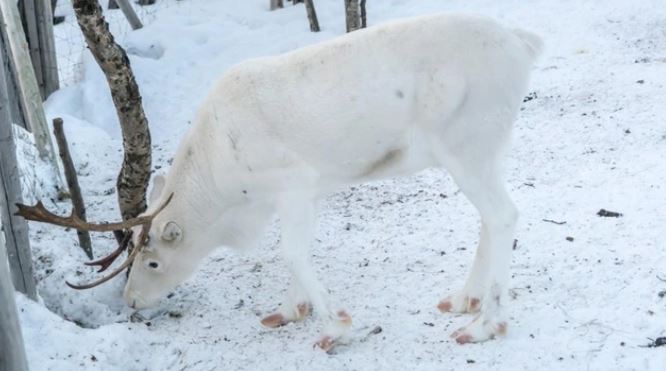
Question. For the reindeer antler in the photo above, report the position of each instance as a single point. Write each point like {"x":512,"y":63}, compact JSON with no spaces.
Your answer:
{"x":38,"y":213}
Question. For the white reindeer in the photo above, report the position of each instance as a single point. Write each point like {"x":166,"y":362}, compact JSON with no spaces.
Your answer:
{"x":277,"y":133}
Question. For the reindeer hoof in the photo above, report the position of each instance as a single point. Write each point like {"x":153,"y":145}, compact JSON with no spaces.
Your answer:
{"x":278,"y":319}
{"x":274,"y":320}
{"x":459,"y":304}
{"x":479,"y":330}
{"x":335,"y":331}
{"x":326,"y":344}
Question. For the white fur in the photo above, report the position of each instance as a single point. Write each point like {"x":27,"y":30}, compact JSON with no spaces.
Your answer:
{"x":277,"y":133}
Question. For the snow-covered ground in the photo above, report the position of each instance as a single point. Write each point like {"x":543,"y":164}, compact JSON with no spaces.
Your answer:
{"x":586,"y":291}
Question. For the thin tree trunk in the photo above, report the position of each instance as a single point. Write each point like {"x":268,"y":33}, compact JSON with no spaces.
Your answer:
{"x":352,"y":17}
{"x":312,"y":15}
{"x":364,"y":17}
{"x":135,"y":173}
{"x":78,"y":206}
{"x":275,"y":4}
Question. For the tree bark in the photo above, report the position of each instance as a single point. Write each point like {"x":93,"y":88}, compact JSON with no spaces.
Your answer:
{"x":352,"y":17}
{"x":364,"y":16}
{"x":312,"y":15}
{"x":135,"y":173}
{"x":78,"y":206}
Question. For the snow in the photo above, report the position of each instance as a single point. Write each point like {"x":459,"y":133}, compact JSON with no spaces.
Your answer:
{"x":594,"y":137}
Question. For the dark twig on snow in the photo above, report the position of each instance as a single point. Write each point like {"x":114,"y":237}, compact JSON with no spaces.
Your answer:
{"x":554,"y":222}
{"x":608,"y":214}
{"x":658,"y":342}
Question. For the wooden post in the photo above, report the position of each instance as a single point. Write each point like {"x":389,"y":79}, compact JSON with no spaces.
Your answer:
{"x":37,"y":19}
{"x":78,"y":206}
{"x":26,"y":84}
{"x":12,"y":353}
{"x":15,"y":111}
{"x":131,"y":16}
{"x":15,"y":228}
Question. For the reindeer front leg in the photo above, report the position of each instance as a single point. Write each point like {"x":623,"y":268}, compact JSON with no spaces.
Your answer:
{"x":298,"y":222}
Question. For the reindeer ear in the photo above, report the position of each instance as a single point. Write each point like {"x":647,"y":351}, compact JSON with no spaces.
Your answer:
{"x":171,"y":232}
{"x":158,"y":187}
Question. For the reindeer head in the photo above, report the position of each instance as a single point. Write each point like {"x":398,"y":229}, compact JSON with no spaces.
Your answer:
{"x":164,"y":261}
{"x":157,"y":262}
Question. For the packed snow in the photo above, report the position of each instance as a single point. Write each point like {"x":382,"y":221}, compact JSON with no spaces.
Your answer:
{"x":588,"y":292}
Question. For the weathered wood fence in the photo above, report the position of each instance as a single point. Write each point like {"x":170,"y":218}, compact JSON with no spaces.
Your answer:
{"x":15,"y":228}
{"x":23,"y":89}
{"x":15,"y":248}
{"x":12,"y":353}
{"x":37,"y":21}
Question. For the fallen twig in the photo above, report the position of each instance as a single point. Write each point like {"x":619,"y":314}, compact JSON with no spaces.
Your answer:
{"x":608,"y":214}
{"x":554,"y":222}
{"x":658,"y":342}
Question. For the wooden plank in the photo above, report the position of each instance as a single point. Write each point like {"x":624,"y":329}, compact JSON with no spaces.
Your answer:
{"x":31,"y":102}
{"x":12,"y":352}
{"x":15,"y":111}
{"x":37,"y":21}
{"x":28,"y":10}
{"x":15,"y":228}
{"x":131,"y":16}
{"x":44,"y":15}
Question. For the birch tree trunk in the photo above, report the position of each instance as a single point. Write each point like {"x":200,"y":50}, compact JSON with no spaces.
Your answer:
{"x":135,"y":173}
{"x":352,"y":17}
{"x":312,"y":15}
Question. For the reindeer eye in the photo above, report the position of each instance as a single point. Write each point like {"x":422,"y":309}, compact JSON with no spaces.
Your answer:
{"x":153,"y":265}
